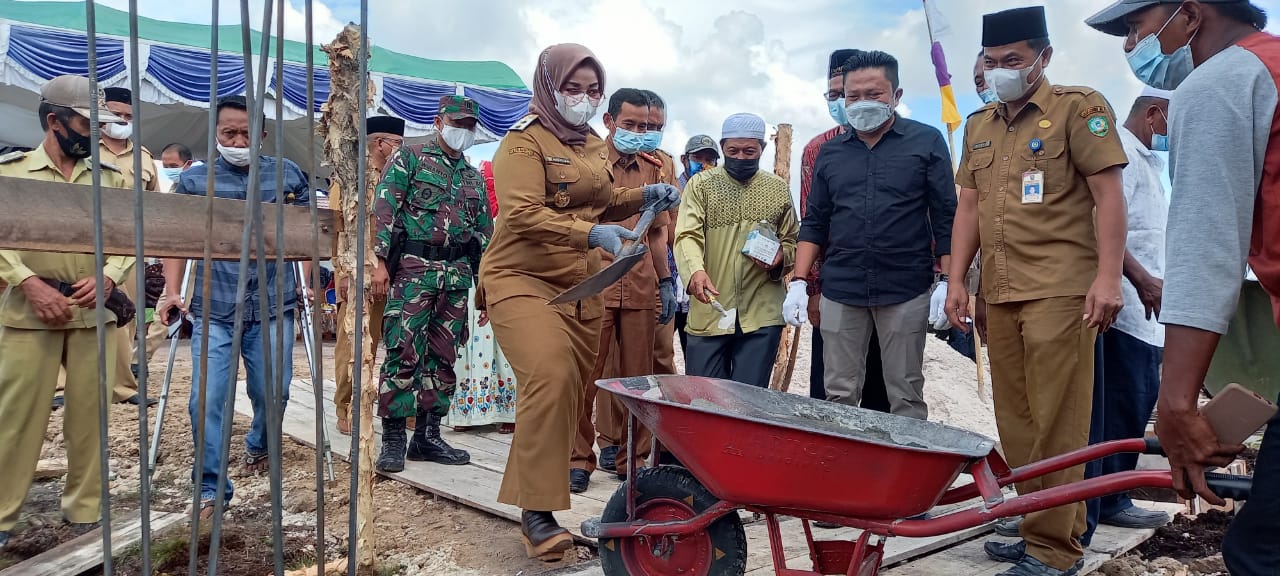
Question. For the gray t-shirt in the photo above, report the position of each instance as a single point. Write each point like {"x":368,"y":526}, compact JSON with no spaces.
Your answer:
{"x":1219,"y":125}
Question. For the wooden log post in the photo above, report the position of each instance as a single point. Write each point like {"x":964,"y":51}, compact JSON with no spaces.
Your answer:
{"x":340,"y":126}
{"x":784,"y":363}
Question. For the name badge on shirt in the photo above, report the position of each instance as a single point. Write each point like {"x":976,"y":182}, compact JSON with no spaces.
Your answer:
{"x":1033,"y":187}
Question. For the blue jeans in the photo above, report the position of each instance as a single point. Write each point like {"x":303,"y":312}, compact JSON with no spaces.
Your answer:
{"x":1250,"y":546}
{"x":221,"y":365}
{"x":1126,"y":383}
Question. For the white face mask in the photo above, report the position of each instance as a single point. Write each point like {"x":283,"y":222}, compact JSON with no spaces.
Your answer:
{"x":575,"y":114}
{"x":868,"y":115}
{"x":118,"y":131}
{"x":459,"y":139}
{"x":1011,"y":85}
{"x":235,"y":156}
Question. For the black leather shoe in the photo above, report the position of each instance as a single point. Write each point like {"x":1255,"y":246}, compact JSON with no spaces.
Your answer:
{"x":543,"y":537}
{"x":608,"y":459}
{"x":1012,"y":553}
{"x":579,"y":479}
{"x":393,"y":446}
{"x":137,"y":399}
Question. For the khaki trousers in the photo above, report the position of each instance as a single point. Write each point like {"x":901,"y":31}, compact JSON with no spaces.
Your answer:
{"x":552,"y":353}
{"x":626,"y":349}
{"x":664,"y":348}
{"x":1041,"y":355}
{"x":29,"y":361}
{"x":342,"y":356}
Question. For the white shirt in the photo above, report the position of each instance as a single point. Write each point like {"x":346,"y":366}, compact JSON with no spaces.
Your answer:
{"x":1148,"y":214}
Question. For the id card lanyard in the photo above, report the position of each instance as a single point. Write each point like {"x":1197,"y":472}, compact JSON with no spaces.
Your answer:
{"x":1033,"y":179}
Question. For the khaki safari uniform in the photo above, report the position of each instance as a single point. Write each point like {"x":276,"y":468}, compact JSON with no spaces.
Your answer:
{"x":1038,"y":263}
{"x":31,"y":353}
{"x":343,"y":349}
{"x":551,"y":195}
{"x":629,"y":324}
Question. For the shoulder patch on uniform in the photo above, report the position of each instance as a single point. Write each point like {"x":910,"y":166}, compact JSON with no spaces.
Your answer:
{"x":1093,"y":111}
{"x":1099,"y":126}
{"x":12,"y":157}
{"x":523,"y":123}
{"x":110,"y":166}
{"x":522,"y":151}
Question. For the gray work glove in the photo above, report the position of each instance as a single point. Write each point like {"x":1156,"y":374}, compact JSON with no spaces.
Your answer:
{"x":661,"y":197}
{"x":667,"y":292}
{"x":609,"y":237}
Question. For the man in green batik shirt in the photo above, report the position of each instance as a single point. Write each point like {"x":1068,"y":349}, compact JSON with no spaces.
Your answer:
{"x":432,"y":206}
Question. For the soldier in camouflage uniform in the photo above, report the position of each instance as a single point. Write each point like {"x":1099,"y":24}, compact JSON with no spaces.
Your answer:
{"x":431,"y":205}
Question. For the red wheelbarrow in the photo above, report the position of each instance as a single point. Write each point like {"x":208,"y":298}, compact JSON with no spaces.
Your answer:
{"x":778,"y":454}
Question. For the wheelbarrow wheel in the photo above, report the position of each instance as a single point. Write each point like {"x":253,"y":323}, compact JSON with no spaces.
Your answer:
{"x":668,"y":494}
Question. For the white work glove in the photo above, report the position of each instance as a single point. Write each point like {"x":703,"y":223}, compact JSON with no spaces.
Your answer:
{"x":938,"y":307}
{"x":795,"y":309}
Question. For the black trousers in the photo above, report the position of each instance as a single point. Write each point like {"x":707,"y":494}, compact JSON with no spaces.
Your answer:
{"x":741,"y":357}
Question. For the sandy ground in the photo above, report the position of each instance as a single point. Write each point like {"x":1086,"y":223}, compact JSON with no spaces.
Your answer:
{"x":416,"y":531}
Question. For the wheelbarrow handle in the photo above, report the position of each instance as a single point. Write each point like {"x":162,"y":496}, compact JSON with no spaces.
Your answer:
{"x":1229,"y":486}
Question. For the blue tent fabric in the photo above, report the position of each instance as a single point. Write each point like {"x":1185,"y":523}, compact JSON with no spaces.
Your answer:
{"x":49,"y":53}
{"x":186,"y":73}
{"x":416,"y":102}
{"x":498,"y":108}
{"x":182,"y":73}
{"x":295,"y":86}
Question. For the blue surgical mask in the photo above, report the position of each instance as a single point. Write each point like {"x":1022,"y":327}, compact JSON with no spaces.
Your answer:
{"x":652,"y":140}
{"x":988,"y":96}
{"x":627,"y":142}
{"x":1160,"y":142}
{"x":836,"y":109}
{"x":171,"y":173}
{"x":694,"y":168}
{"x":1157,"y":69}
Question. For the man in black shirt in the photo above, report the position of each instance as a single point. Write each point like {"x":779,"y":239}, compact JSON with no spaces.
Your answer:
{"x":881,"y":205}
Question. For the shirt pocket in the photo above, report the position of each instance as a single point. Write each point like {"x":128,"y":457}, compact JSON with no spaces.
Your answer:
{"x":562,"y":185}
{"x":427,"y":191}
{"x":1050,"y":159}
{"x":980,"y":165}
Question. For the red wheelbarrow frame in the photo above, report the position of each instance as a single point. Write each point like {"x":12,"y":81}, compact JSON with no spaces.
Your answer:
{"x":863,"y":558}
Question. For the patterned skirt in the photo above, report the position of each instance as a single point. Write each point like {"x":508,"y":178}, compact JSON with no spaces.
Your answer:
{"x":486,"y":390}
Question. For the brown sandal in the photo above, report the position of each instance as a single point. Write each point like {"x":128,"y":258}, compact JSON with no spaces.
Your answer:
{"x":344,"y":427}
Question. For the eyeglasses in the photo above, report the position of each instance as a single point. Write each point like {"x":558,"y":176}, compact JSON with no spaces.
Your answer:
{"x":575,"y":94}
{"x":832,"y":95}
{"x":395,"y":142}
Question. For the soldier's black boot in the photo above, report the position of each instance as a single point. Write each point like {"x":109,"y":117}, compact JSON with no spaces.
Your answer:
{"x":393,"y":441}
{"x":428,"y":446}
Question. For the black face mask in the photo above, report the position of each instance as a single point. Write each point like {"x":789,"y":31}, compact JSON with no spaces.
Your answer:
{"x":741,"y":170}
{"x":74,"y":144}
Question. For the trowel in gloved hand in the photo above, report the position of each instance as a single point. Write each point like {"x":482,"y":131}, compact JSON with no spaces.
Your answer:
{"x":728,"y":318}
{"x":628,"y":257}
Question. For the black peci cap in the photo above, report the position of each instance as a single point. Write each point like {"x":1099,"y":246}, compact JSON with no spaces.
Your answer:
{"x":384,"y":125}
{"x":835,"y":65}
{"x":117,"y":95}
{"x":1015,"y":25}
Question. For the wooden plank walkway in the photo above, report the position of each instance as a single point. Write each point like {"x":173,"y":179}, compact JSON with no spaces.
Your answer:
{"x":84,"y":552}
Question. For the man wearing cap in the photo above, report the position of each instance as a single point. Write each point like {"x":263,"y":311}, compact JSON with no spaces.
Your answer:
{"x":873,"y":393}
{"x":700,"y":153}
{"x":42,"y":330}
{"x":723,"y":207}
{"x":385,"y":136}
{"x":1041,"y":189}
{"x":431,"y":204}
{"x":627,"y":333}
{"x":1224,"y":213}
{"x":261,"y":319}
{"x":890,"y":177}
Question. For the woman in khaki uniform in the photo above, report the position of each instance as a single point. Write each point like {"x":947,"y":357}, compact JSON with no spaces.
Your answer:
{"x":554,"y":185}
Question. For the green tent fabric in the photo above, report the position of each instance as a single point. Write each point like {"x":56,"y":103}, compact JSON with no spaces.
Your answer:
{"x":112,"y":22}
{"x":1249,"y":353}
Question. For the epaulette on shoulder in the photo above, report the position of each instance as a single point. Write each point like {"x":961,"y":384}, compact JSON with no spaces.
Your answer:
{"x":12,"y":157}
{"x":111,"y":167}
{"x":523,"y":123}
{"x":1082,"y":90}
{"x":664,"y":156}
{"x":985,"y":108}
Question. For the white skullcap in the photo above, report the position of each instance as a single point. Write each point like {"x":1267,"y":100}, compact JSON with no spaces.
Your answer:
{"x":1149,"y":92}
{"x":743,"y":125}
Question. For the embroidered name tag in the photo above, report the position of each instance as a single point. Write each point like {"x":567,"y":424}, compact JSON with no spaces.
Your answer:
{"x":558,"y":160}
{"x":981,"y":145}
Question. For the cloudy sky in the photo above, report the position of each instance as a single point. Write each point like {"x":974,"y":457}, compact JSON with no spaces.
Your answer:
{"x":711,"y":58}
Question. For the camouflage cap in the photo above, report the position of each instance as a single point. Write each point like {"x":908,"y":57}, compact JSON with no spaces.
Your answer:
{"x":458,"y":107}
